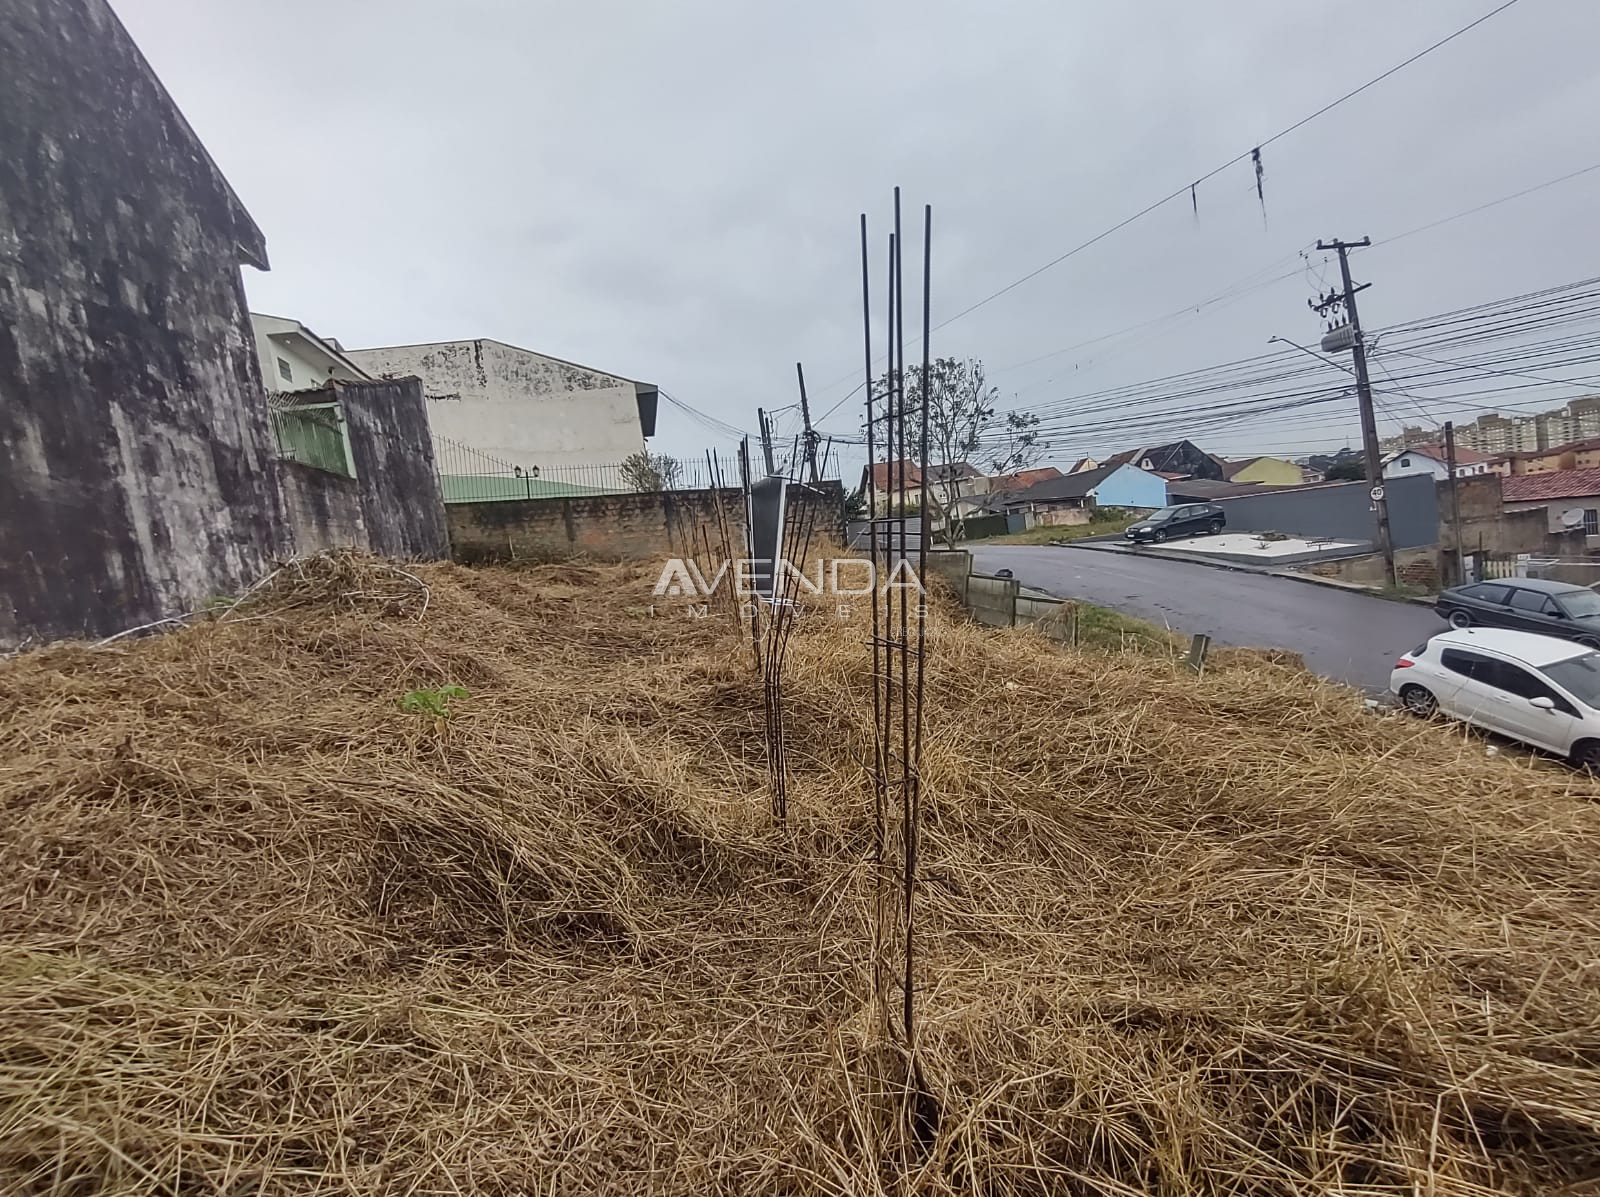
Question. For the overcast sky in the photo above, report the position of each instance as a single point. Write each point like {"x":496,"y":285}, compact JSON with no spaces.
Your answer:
{"x":671,"y":191}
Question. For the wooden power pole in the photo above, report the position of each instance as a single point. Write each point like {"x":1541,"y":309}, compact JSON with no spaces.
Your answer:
{"x":1455,"y":504}
{"x":1339,"y":338}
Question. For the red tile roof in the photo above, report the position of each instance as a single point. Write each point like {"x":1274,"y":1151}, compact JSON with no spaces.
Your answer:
{"x":1023,"y":479}
{"x":1557,"y":484}
{"x":882,"y":471}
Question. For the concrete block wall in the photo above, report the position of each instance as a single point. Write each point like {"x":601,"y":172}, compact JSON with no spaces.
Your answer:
{"x":993,"y":601}
{"x":1341,"y":511}
{"x":643,"y":526}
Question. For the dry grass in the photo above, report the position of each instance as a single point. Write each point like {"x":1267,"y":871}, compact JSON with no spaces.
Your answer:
{"x":265,"y":933}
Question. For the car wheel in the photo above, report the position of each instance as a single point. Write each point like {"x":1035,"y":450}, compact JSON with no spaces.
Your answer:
{"x":1158,"y":535}
{"x":1419,"y":701}
{"x":1586,"y":755}
{"x":1589,"y":642}
{"x":1216,"y":528}
{"x":1460,"y":618}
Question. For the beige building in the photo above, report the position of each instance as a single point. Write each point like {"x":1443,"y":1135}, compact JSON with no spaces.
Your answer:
{"x":521,"y":409}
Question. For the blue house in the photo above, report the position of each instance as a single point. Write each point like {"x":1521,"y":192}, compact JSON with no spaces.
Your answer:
{"x":1106,"y":486}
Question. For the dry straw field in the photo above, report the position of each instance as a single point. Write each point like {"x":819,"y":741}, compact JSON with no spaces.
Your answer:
{"x":267,"y":932}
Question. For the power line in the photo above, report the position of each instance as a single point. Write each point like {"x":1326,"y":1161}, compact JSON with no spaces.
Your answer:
{"x":1187,"y":188}
{"x":1504,"y":199}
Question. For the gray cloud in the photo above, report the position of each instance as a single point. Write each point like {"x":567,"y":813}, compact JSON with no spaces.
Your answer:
{"x":671,"y":191}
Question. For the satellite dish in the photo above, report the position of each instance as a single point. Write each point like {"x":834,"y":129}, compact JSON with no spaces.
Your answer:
{"x":1572,"y":517}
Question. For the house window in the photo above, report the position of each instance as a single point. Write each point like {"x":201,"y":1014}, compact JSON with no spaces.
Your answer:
{"x":1405,"y":463}
{"x":1591,"y":521}
{"x":284,"y":372}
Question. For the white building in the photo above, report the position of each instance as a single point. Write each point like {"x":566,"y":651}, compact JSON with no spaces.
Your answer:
{"x":520,"y":408}
{"x":293,"y":358}
{"x":1432,"y":460}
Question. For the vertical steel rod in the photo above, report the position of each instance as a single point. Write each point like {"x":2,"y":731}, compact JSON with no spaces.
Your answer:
{"x":905,"y":639}
{"x":914,"y":807}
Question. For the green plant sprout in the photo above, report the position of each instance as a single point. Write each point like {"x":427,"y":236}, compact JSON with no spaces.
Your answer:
{"x":433,"y":701}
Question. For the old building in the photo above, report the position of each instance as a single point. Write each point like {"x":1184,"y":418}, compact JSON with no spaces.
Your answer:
{"x":293,"y":358}
{"x":1433,"y":460}
{"x":520,"y":408}
{"x":1110,"y":485}
{"x":1269,"y":471}
{"x":947,"y":483}
{"x":137,"y":473}
{"x":1183,"y":458}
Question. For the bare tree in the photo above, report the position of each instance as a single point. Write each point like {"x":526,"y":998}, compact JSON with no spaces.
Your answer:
{"x":646,"y":471}
{"x":964,"y":425}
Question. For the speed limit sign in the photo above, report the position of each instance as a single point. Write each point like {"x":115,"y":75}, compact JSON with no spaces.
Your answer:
{"x":1377,"y":494}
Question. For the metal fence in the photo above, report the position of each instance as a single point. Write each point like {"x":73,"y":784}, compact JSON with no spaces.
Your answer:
{"x":312,"y":434}
{"x":469,"y":475}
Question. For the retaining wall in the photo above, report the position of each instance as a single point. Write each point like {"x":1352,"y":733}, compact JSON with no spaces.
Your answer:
{"x":616,"y":527}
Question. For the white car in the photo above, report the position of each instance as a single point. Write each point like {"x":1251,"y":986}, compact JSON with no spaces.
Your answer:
{"x":1537,"y":689}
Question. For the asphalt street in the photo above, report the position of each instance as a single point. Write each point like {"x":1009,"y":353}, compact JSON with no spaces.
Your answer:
{"x":1352,"y":637}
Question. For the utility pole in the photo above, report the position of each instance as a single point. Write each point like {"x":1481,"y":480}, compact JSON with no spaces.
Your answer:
{"x":766,"y":441}
{"x":1455,"y":504}
{"x":1337,"y":339}
{"x":811,"y":435}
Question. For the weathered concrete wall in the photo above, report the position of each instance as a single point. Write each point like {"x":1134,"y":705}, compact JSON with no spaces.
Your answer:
{"x":993,"y":601}
{"x":610,"y":527}
{"x":522,"y":407}
{"x":1486,"y":526}
{"x":137,"y":475}
{"x":1413,"y":567}
{"x":392,"y":506}
{"x":387,"y":423}
{"x":323,"y":510}
{"x":1341,"y":511}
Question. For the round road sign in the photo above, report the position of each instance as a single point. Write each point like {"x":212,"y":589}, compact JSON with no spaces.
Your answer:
{"x":1377,"y":494}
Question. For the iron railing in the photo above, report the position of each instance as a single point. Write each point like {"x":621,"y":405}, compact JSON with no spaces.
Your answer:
{"x":470,"y":475}
{"x":312,"y":434}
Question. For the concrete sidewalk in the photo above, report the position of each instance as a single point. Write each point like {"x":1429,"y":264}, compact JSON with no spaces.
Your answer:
{"x":1123,"y":548}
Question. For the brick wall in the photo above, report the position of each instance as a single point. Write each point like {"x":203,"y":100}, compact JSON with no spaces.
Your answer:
{"x":611,"y":527}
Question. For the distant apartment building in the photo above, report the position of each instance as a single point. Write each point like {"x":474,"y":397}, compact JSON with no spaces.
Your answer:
{"x":1408,"y":436}
{"x":1497,"y":434}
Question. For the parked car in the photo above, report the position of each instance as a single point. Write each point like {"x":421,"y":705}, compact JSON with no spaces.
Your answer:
{"x":1527,"y":604}
{"x":1537,"y":689}
{"x":1189,"y":519}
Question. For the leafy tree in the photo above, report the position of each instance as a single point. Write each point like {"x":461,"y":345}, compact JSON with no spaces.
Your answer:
{"x":965,"y":425}
{"x":855,"y":506}
{"x":646,"y":471}
{"x":1350,"y":470}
